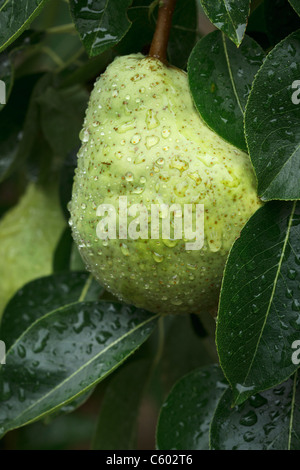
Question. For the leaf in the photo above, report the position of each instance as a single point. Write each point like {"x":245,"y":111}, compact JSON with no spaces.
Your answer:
{"x":39,"y":297}
{"x":29,"y":132}
{"x":185,"y":416}
{"x":6,"y":77}
{"x":29,"y":233}
{"x":230,"y":16}
{"x":267,"y":421}
{"x":62,"y":113}
{"x":259,"y":310}
{"x":183,"y":33}
{"x":272,"y":122}
{"x":220,"y":78}
{"x":100,"y":23}
{"x":64,"y":354}
{"x":139,"y":36}
{"x":296,"y":5}
{"x":36,"y":299}
{"x":11,"y":125}
{"x":15,"y":17}
{"x":71,"y":431}
{"x":117,"y":422}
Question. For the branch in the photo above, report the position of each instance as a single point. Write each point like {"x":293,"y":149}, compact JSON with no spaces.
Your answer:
{"x":163,"y":26}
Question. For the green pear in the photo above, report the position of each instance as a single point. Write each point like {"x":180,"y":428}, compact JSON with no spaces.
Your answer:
{"x":143,"y":141}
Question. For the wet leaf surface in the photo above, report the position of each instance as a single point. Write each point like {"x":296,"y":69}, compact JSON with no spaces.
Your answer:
{"x":15,"y":17}
{"x":186,"y":414}
{"x":267,"y":421}
{"x":220,"y":78}
{"x":259,"y":313}
{"x":100,"y":23}
{"x":230,"y":16}
{"x":272,"y":122}
{"x":64,"y":354}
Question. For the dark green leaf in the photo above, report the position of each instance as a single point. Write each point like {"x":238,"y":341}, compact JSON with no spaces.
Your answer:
{"x":230,"y":16}
{"x":100,"y":23}
{"x":64,"y":432}
{"x":41,"y":296}
{"x":296,"y":5}
{"x":259,"y":312}
{"x":62,"y":114}
{"x":186,"y":415}
{"x":272,"y":122}
{"x":220,"y":78}
{"x":267,"y":421}
{"x":64,"y":354}
{"x":15,"y":17}
{"x":31,"y":126}
{"x":117,"y":422}
{"x":183,"y":33}
{"x":11,"y":125}
{"x":139,"y":36}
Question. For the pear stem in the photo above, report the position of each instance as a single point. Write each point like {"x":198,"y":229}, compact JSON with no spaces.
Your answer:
{"x":162,"y":32}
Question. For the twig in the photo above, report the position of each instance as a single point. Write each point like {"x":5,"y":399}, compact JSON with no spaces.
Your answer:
{"x":161,"y":36}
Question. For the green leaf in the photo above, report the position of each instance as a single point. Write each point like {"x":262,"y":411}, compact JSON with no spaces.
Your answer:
{"x":272,"y":122}
{"x":11,"y":125}
{"x":186,"y":415}
{"x":139,"y":36}
{"x":62,"y":113}
{"x":15,"y":17}
{"x":71,"y":431}
{"x":117,"y":422}
{"x":220,"y":78}
{"x":39,"y":297}
{"x":6,"y":77}
{"x":100,"y":23}
{"x":267,"y":421}
{"x":64,"y":354}
{"x":230,"y":16}
{"x":31,"y":124}
{"x":296,"y":5}
{"x":259,"y":310}
{"x":183,"y":33}
{"x":29,"y":233}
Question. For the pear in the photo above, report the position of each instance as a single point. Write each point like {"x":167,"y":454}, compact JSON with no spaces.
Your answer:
{"x":143,"y":141}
